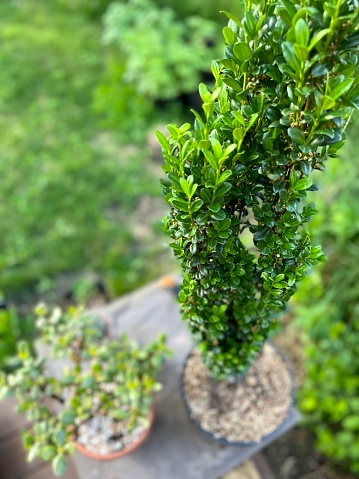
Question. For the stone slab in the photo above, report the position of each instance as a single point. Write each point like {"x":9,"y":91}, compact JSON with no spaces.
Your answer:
{"x":175,"y":448}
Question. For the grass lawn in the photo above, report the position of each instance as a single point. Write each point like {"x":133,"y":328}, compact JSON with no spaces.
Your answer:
{"x":69,"y":192}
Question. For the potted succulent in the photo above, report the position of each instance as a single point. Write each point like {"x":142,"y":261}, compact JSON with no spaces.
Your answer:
{"x":238,"y":178}
{"x":101,"y":403}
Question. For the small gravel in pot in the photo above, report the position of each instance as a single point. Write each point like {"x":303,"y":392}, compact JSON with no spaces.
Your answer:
{"x":102,"y":435}
{"x":245,"y":411}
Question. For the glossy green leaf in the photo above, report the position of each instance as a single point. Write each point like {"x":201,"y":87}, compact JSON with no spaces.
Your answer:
{"x":232,"y":17}
{"x":341,"y":88}
{"x":317,"y":37}
{"x":229,"y":35}
{"x":296,"y":135}
{"x":179,"y":203}
{"x":60,"y":438}
{"x":196,"y":205}
{"x":242,"y":51}
{"x":59,"y":465}
{"x":303,"y":184}
{"x":48,"y":453}
{"x":290,"y":56}
{"x":302,"y":32}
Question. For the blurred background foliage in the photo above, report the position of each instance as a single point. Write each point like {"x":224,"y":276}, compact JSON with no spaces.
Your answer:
{"x":80,"y":203}
{"x":327,"y":313}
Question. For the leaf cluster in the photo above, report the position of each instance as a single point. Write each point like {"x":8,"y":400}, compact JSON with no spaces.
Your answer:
{"x":112,"y":378}
{"x":283,"y":96}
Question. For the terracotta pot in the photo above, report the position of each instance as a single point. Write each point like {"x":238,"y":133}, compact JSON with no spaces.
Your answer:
{"x":126,"y":450}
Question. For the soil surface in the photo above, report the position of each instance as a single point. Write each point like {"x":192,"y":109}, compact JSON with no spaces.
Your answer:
{"x":244,"y":411}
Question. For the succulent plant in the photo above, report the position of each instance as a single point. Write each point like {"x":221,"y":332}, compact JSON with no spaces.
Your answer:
{"x":114,"y":379}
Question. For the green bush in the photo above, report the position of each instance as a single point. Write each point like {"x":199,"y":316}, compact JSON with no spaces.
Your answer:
{"x":162,"y":57}
{"x":327,"y":311}
{"x":93,"y":9}
{"x":209,"y":9}
{"x":284,"y":93}
{"x":8,"y":336}
{"x":155,"y":57}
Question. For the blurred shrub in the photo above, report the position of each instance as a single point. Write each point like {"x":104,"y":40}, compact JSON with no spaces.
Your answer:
{"x":7,"y":339}
{"x":210,"y":9}
{"x":328,"y":314}
{"x":157,"y":58}
{"x":11,"y":329}
{"x":91,"y":8}
{"x":162,"y":56}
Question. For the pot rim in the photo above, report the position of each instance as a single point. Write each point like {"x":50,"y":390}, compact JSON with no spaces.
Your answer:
{"x":127,"y":449}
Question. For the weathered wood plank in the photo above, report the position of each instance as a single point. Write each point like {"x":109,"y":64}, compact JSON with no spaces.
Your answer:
{"x":13,"y":463}
{"x":44,"y":471}
{"x":10,"y":421}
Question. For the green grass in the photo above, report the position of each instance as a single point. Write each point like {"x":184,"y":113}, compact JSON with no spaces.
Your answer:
{"x":68,"y":192}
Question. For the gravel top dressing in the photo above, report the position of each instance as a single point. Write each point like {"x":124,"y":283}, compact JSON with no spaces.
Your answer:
{"x":102,"y":435}
{"x":244,"y":411}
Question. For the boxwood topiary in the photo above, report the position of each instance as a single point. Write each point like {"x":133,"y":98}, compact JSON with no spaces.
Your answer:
{"x":283,"y":96}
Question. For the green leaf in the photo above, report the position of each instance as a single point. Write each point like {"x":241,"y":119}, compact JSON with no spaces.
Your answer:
{"x":196,"y":205}
{"x":185,"y":186}
{"x":223,"y":188}
{"x":59,"y":465}
{"x":238,"y":134}
{"x":232,"y":83}
{"x":301,"y":52}
{"x":162,"y":140}
{"x":33,"y":452}
{"x":296,"y":135}
{"x":232,"y":17}
{"x":226,"y":174}
{"x":242,"y":51}
{"x":179,"y":203}
{"x":250,"y":24}
{"x":229,"y":35}
{"x":290,"y":56}
{"x":303,"y":184}
{"x":317,"y":37}
{"x":224,"y":224}
{"x":203,"y":91}
{"x":340,"y":89}
{"x":48,"y":453}
{"x":215,"y":207}
{"x":326,"y":103}
{"x":351,"y":423}
{"x":68,"y":417}
{"x":211,"y":159}
{"x":217,"y":148}
{"x":60,"y":438}
{"x":302,"y":33}
{"x":290,"y":7}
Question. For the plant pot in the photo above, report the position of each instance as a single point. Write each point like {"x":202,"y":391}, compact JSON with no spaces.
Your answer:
{"x":127,"y":449}
{"x":250,"y":411}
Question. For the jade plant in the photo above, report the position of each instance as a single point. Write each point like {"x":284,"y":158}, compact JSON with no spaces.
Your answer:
{"x":101,"y":378}
{"x":237,"y":180}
